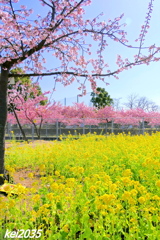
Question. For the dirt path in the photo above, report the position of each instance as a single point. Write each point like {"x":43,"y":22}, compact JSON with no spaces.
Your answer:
{"x":21,"y":176}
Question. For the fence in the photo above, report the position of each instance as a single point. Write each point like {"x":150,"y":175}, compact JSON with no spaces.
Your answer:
{"x":76,"y":99}
{"x":53,"y":131}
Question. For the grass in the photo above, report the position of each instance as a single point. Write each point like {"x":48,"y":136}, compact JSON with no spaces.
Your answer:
{"x":96,"y":187}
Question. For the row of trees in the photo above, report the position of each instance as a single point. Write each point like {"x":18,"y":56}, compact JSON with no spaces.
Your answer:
{"x":76,"y":114}
{"x":28,"y":106}
{"x":64,"y":32}
{"x":134,"y":101}
{"x":101,"y":98}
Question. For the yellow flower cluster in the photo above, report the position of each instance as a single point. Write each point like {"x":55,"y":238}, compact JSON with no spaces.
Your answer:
{"x":96,"y":187}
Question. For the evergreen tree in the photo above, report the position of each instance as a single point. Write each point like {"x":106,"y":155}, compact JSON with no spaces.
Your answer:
{"x":101,"y":98}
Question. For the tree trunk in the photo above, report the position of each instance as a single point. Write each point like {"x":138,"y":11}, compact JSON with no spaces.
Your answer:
{"x":36,"y":129}
{"x":3,"y":119}
{"x":21,"y":129}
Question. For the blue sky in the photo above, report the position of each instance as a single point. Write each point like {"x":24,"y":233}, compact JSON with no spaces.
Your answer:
{"x":142,"y":80}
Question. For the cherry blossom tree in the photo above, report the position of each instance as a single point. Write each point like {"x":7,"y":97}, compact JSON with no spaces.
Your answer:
{"x":32,"y":112}
{"x":27,"y":109}
{"x":153,"y":118}
{"x":130,"y":117}
{"x":65,"y":34}
{"x":79,"y":114}
{"x":106,"y":114}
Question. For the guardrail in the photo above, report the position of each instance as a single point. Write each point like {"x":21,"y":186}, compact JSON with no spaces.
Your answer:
{"x":53,"y":131}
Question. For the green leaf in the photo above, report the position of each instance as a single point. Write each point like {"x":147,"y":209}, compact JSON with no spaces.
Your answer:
{"x":59,"y":205}
{"x":87,"y":233}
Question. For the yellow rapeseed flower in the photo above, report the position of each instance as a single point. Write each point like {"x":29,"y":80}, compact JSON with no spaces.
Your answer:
{"x":158,"y":183}
{"x":65,"y":228}
{"x":141,"y":200}
{"x":50,"y":196}
{"x":57,"y":173}
{"x":54,"y":186}
{"x":36,"y":198}
{"x":127,"y":173}
{"x":30,"y":175}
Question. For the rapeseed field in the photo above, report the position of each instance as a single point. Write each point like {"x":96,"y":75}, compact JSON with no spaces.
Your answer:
{"x":95,"y":187}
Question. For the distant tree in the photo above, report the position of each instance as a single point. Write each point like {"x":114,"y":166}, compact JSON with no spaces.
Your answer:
{"x":131,"y":101}
{"x":101,"y":98}
{"x":23,"y":79}
{"x":117,"y":104}
{"x":147,"y":105}
{"x":26,"y":82}
{"x":134,"y":101}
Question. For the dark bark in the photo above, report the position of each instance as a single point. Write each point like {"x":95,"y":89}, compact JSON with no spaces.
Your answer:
{"x":37,"y":131}
{"x":40,"y":126}
{"x":3,"y":119}
{"x":20,"y":127}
